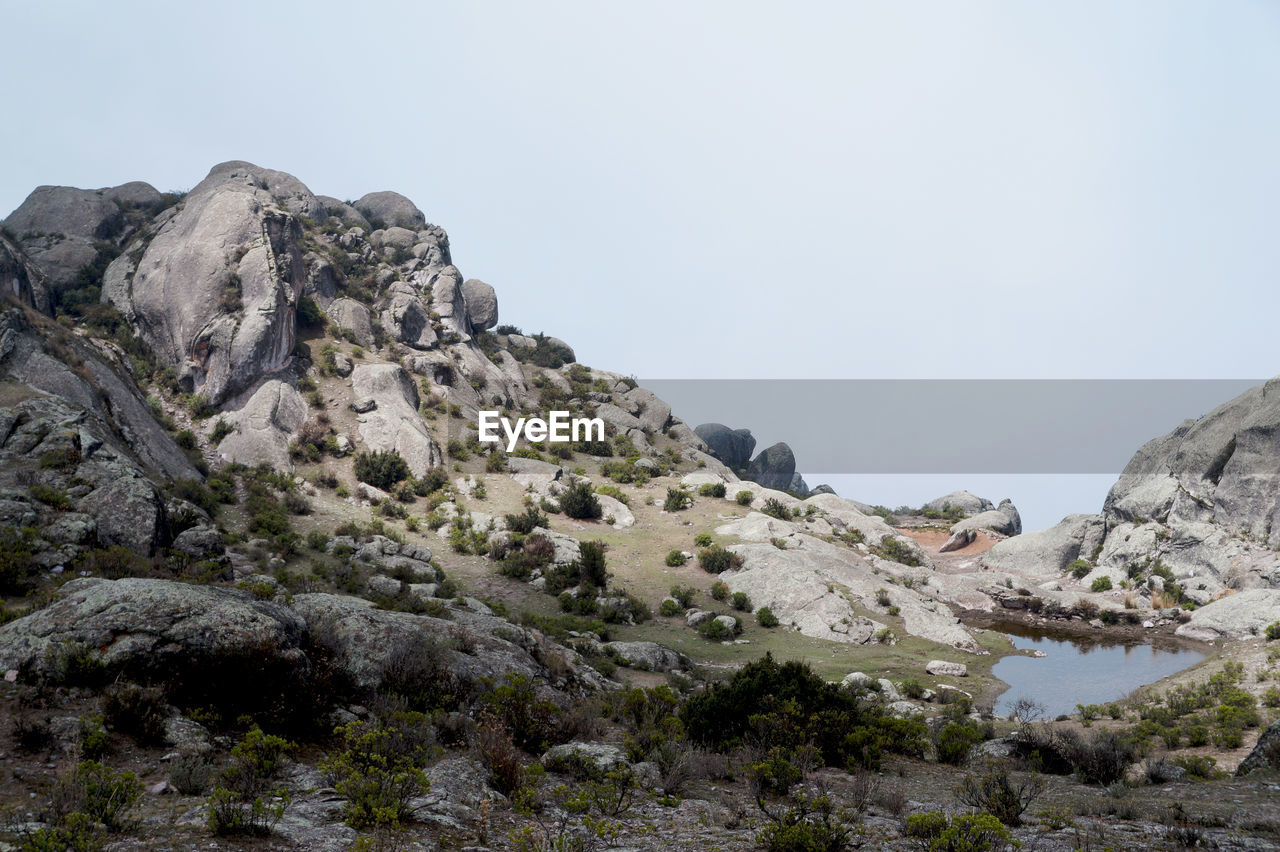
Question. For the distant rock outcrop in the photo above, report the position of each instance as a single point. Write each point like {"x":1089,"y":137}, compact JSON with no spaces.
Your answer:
{"x":966,"y":501}
{"x":775,"y":467}
{"x":733,"y":447}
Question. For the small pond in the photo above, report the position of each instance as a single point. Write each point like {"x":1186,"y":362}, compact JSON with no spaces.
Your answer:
{"x":1076,"y":670}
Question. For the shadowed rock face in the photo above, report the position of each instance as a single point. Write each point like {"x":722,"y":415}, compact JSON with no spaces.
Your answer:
{"x":20,"y":280}
{"x":731,"y":446}
{"x":61,"y":226}
{"x":773,"y":468}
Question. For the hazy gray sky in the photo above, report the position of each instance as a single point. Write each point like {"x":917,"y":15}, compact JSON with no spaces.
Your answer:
{"x":681,"y":190}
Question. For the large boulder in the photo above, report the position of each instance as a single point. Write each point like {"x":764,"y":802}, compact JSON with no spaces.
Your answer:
{"x":394,"y":424}
{"x":482,"y":304}
{"x":731,"y":446}
{"x":157,"y":629}
{"x":407,"y":319}
{"x":1047,"y":553}
{"x":648,"y":408}
{"x":62,"y":228}
{"x":351,"y":316}
{"x":1235,"y":616}
{"x":773,"y":468}
{"x":390,"y":209}
{"x":1003,"y":519}
{"x":264,"y":425}
{"x":965,"y":501}
{"x":215,"y":291}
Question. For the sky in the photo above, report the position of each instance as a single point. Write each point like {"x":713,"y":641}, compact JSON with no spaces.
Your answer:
{"x":738,"y":190}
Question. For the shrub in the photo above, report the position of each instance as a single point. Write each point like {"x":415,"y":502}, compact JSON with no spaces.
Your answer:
{"x":227,"y":815}
{"x":717,"y":631}
{"x":591,"y":565}
{"x":702,"y":539}
{"x":717,"y":560}
{"x":221,"y":429}
{"x":995,"y":792}
{"x":766,"y":618}
{"x":683,"y":595}
{"x":1103,"y":760}
{"x":1273,"y":631}
{"x":579,"y":502}
{"x":808,"y":824}
{"x":774,"y":508}
{"x":497,"y":751}
{"x":1101,"y":584}
{"x":1079,"y":568}
{"x":378,"y":770}
{"x":788,"y":705}
{"x":893,"y":548}
{"x":677,"y":500}
{"x":135,"y":710}
{"x":531,"y":721}
{"x":720,"y":590}
{"x":101,"y":792}
{"x":675,"y":558}
{"x":53,"y":497}
{"x":744,"y":498}
{"x":381,"y":469}
{"x":527,"y":521}
{"x":711,"y":489}
{"x":190,"y":774}
{"x":309,"y":313}
{"x":740,"y":601}
{"x":669,"y":608}
{"x":936,"y":832}
{"x":953,"y":741}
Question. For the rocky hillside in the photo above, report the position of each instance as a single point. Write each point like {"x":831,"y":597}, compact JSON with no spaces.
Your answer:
{"x":253,"y":554}
{"x":1189,"y":522}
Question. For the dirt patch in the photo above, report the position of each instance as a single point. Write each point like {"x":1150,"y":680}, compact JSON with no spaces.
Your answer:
{"x":933,"y":538}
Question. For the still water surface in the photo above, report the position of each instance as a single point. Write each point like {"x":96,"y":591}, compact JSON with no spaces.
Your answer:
{"x":1078,"y":671}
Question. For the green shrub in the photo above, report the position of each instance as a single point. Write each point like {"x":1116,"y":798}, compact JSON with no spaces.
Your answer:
{"x":717,"y":560}
{"x":53,"y":497}
{"x":808,"y":824}
{"x":379,"y":770}
{"x":894,"y":548}
{"x":740,"y":601}
{"x":579,"y":502}
{"x":78,"y":832}
{"x":766,"y":618}
{"x":309,"y":313}
{"x":1079,"y":568}
{"x":381,"y":469}
{"x":953,"y":741}
{"x":669,"y":608}
{"x":717,"y":631}
{"x":788,"y":705}
{"x":711,"y":489}
{"x":64,"y":457}
{"x":702,"y":539}
{"x":613,"y":491}
{"x":934,"y":831}
{"x":774,"y":508}
{"x":190,"y":774}
{"x":1101,"y":584}
{"x":744,"y":498}
{"x":676,"y":558}
{"x":527,"y":521}
{"x":683,"y":595}
{"x":104,"y":794}
{"x":677,"y":500}
{"x":227,"y":815}
{"x":720,"y":590}
{"x":1273,"y":631}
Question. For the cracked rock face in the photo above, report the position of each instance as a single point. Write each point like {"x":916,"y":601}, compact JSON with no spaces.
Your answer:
{"x":215,"y":291}
{"x":393,"y":423}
